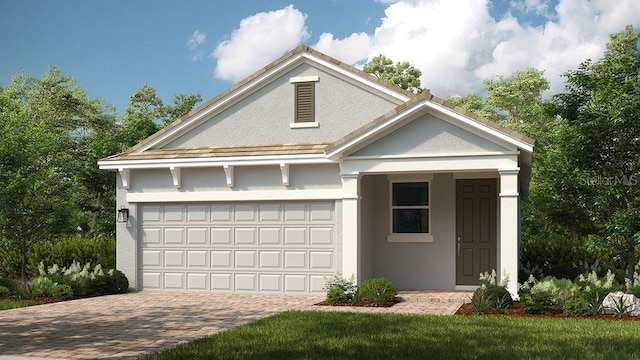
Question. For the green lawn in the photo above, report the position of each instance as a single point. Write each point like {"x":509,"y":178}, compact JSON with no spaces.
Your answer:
{"x":6,"y":304}
{"x":319,"y":335}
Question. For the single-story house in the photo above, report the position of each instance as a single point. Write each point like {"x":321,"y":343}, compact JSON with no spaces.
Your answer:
{"x":310,"y":167}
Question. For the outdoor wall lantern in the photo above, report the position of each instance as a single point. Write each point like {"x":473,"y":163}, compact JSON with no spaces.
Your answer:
{"x":123,"y":215}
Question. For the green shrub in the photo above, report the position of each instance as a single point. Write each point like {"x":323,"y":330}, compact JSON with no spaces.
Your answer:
{"x":576,"y":306}
{"x":100,"y":250}
{"x":342,"y":290}
{"x":62,"y":292}
{"x":113,"y":282}
{"x":336,"y":296}
{"x":491,"y":298}
{"x":10,"y":263}
{"x":7,"y":283}
{"x":41,"y":287}
{"x":539,"y":301}
{"x":4,"y":292}
{"x":378,"y":291}
{"x":21,"y":290}
{"x":481,"y":302}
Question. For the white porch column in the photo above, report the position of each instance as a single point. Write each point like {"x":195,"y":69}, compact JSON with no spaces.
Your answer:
{"x":509,"y":228}
{"x":351,"y":226}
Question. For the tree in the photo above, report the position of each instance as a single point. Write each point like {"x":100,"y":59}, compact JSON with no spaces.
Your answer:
{"x":41,"y":121}
{"x":602,"y":140}
{"x":477,"y":104}
{"x":401,"y":73}
{"x":520,"y":95}
{"x":146,"y":113}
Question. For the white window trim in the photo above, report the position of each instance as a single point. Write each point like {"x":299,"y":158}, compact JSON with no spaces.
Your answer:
{"x":300,"y":79}
{"x":304,"y":125}
{"x":408,"y":237}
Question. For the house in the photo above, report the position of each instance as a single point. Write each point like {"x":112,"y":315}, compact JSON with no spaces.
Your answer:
{"x":311,"y":167}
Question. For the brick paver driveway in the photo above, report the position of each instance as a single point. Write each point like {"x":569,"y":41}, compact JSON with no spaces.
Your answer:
{"x":130,"y":325}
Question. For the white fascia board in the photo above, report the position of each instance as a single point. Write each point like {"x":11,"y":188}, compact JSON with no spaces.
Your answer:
{"x":233,"y":195}
{"x":206,"y":112}
{"x":479,"y":126}
{"x":357,"y":77}
{"x":332,"y":154}
{"x":214,"y":162}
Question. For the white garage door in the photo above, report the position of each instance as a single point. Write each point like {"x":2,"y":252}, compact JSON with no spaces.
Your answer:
{"x":252,"y":247}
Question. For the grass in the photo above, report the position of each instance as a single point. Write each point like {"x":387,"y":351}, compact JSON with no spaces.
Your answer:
{"x":6,"y":304}
{"x":319,"y":335}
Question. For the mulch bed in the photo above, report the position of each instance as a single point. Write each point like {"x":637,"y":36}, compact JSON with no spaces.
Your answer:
{"x":517,"y":310}
{"x":361,"y":304}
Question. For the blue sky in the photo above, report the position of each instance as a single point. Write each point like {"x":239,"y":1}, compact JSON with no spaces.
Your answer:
{"x":114,"y":47}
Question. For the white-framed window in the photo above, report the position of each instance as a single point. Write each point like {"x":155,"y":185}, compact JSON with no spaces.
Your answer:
{"x":410,"y":210}
{"x":304,"y":102}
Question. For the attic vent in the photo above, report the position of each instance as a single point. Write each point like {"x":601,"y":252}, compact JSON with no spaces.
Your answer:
{"x":305,"y":102}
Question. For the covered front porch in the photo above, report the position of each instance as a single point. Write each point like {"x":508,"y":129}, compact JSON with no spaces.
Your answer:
{"x":464,"y":223}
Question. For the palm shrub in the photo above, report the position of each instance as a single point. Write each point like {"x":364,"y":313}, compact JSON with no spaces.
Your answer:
{"x":41,"y":286}
{"x":378,"y":291}
{"x":594,"y":289}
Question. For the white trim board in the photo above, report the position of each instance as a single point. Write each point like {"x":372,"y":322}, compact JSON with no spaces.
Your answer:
{"x":208,"y":196}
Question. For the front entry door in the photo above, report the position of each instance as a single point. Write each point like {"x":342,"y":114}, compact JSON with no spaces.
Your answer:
{"x":476,"y":229}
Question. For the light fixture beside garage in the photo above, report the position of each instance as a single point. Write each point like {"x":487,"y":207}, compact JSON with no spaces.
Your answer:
{"x":123,"y":215}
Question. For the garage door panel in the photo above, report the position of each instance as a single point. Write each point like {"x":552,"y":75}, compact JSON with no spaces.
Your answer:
{"x":270,"y":259}
{"x":245,"y":259}
{"x":246,"y":282}
{"x":197,"y":281}
{"x":270,"y":212}
{"x":295,"y":212}
{"x":151,"y":236}
{"x":222,"y":282}
{"x":151,"y":257}
{"x":197,"y":213}
{"x":197,"y":236}
{"x":321,"y":260}
{"x":221,"y":213}
{"x":295,"y":236}
{"x":221,"y":258}
{"x":245,"y":213}
{"x":221,"y":235}
{"x":270,"y":282}
{"x":295,"y":259}
{"x":174,"y":281}
{"x":174,"y":213}
{"x":246,"y":236}
{"x":246,"y":247}
{"x":321,"y":236}
{"x":270,"y":236}
{"x":197,"y":258}
{"x":174,"y":236}
{"x":152,"y":280}
{"x":295,"y":283}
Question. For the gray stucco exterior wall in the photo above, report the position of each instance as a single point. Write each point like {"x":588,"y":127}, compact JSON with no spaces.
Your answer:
{"x":409,"y":265}
{"x":264,"y":117}
{"x":430,"y":135}
{"x":126,"y":235}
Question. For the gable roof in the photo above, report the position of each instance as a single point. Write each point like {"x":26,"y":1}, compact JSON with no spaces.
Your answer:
{"x":409,"y":102}
{"x":356,"y":138}
{"x":256,"y":80}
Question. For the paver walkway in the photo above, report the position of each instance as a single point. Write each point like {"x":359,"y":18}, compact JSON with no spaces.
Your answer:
{"x":129,"y":325}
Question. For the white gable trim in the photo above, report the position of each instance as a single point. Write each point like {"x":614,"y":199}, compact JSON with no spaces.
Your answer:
{"x":214,"y":162}
{"x":382,"y":127}
{"x":252,"y":85}
{"x":479,"y":126}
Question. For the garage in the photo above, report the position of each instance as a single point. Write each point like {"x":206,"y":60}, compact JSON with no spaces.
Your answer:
{"x":279,"y":247}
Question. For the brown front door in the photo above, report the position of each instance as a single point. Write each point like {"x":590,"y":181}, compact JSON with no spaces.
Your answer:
{"x":476,"y":229}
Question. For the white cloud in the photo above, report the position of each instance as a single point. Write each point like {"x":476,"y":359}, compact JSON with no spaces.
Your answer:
{"x":457,"y":43}
{"x":259,"y":39}
{"x":350,"y":50}
{"x":195,"y":41}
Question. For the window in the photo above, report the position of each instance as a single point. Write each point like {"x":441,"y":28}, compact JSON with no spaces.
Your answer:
{"x":410,"y":219}
{"x":304,"y":102}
